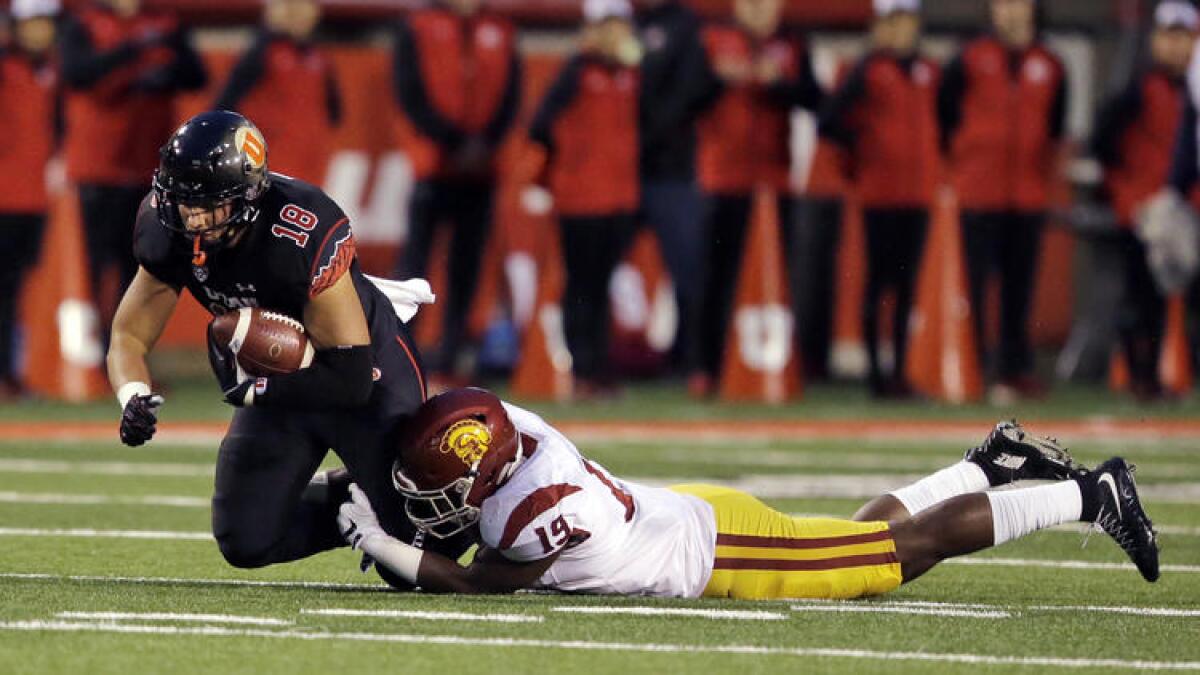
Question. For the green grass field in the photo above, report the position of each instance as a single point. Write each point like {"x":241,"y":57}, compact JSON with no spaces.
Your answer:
{"x":106,"y":564}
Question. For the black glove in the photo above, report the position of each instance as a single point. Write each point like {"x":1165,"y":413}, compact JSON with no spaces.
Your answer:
{"x":234,"y":381}
{"x":139,"y":419}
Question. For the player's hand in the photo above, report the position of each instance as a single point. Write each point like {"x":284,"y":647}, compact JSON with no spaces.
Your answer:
{"x":235,"y":383}
{"x":139,"y":419}
{"x":357,"y":520}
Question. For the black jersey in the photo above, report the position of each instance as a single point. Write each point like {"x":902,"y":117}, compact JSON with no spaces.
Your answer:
{"x":300,"y":245}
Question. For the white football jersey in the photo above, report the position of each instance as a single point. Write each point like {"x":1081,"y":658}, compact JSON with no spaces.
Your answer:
{"x":616,"y":537}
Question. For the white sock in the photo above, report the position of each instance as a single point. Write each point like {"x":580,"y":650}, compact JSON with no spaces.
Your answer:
{"x":958,"y":479}
{"x":1016,"y":513}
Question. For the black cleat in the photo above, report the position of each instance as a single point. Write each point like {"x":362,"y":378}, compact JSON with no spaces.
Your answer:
{"x":1010,"y":454}
{"x":1121,"y":515}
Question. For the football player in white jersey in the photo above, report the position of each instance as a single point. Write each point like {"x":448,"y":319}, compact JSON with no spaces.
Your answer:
{"x":547,"y":517}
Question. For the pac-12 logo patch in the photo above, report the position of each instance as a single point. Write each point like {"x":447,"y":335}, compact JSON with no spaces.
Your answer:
{"x":470,"y":440}
{"x":252,"y":145}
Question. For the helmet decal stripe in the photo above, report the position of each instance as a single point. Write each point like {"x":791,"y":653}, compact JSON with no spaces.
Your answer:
{"x":535,"y":504}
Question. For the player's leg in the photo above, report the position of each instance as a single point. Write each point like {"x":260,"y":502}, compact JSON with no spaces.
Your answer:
{"x":1019,"y":249}
{"x":1008,"y":454}
{"x":876,"y":223}
{"x":968,"y":523}
{"x":472,"y":211}
{"x":728,"y":219}
{"x":763,"y":554}
{"x":264,"y":467}
{"x":910,"y":231}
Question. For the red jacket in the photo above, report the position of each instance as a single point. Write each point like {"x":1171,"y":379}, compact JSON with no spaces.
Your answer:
{"x":1135,"y":137}
{"x":883,"y":115}
{"x":290,"y":92}
{"x":27,"y":113}
{"x":455,"y":77}
{"x":588,"y":124}
{"x":744,"y":137}
{"x":1003,"y":116}
{"x":119,"y":98}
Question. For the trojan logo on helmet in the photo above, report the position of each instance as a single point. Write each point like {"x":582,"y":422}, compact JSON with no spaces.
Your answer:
{"x":455,"y":451}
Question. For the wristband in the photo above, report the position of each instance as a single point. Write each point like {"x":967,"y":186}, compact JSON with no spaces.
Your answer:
{"x":131,"y":389}
{"x":400,"y":558}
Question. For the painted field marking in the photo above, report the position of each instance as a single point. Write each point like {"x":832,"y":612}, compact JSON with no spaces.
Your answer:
{"x":419,"y":614}
{"x":738,"y":614}
{"x":1063,"y":564}
{"x":159,"y":469}
{"x":1139,"y":611}
{"x":105,"y":534}
{"x":63,"y":499}
{"x":587,"y":645}
{"x":919,"y":611}
{"x":171,"y":616}
{"x":919,"y":605}
{"x":252,"y":583}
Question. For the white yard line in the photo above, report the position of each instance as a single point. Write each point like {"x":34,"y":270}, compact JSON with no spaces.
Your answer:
{"x":1139,"y":611}
{"x":63,"y":499}
{"x":925,"y":606}
{"x":587,"y":645}
{"x":418,"y":614}
{"x":252,"y":583}
{"x":171,"y":616}
{"x":161,"y":469}
{"x":745,"y":615}
{"x":104,"y":534}
{"x":204,"y":536}
{"x":920,"y":611}
{"x":1063,"y":564}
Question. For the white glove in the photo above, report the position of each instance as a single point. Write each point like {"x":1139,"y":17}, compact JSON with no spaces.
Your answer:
{"x":357,"y":521}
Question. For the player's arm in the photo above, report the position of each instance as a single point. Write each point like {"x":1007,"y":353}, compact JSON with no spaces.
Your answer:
{"x":490,"y":572}
{"x":340,"y":374}
{"x":139,"y":321}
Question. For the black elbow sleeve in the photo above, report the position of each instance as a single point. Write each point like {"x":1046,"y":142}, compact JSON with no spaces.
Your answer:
{"x":338,"y":378}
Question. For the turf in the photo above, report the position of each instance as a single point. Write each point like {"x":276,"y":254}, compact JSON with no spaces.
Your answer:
{"x":1009,"y":610}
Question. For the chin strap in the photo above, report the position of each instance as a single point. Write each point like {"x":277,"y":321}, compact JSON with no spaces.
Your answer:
{"x":199,"y":257}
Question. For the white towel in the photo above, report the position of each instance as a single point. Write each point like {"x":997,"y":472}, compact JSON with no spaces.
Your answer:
{"x":406,"y":296}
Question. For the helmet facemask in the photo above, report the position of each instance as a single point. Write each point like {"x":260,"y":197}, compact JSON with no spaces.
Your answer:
{"x":243,"y":210}
{"x":444,"y":512}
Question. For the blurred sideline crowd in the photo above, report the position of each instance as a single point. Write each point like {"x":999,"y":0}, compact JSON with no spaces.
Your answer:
{"x":657,"y":120}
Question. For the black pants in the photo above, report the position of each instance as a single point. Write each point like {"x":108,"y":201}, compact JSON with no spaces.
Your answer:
{"x":261,"y":514}
{"x":20,"y":246}
{"x":811,"y":239}
{"x":895,"y":242}
{"x":673,"y":209}
{"x":1008,"y":243}
{"x":109,"y":213}
{"x":1140,"y":319}
{"x":467,"y":207}
{"x":592,"y":246}
{"x":727,"y":221}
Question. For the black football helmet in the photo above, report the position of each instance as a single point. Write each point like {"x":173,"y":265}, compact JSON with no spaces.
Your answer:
{"x":215,"y":158}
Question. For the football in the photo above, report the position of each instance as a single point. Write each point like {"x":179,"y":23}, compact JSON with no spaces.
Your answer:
{"x":266,"y":343}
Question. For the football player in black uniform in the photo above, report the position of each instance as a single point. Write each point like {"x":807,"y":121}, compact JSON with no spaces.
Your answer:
{"x":235,"y":235}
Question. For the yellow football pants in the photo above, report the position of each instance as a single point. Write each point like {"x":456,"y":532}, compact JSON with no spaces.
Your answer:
{"x":764,"y":554}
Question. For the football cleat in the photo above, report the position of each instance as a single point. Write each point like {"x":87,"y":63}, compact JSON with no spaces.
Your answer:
{"x":1121,"y":515}
{"x":1011,"y":454}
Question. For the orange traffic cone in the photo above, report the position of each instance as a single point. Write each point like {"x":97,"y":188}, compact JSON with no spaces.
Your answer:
{"x":761,"y":363}
{"x":64,"y":351}
{"x":943,"y":362}
{"x":544,"y":369}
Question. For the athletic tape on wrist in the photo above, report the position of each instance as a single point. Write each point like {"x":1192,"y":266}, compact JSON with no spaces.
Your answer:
{"x":400,"y":558}
{"x":131,"y":389}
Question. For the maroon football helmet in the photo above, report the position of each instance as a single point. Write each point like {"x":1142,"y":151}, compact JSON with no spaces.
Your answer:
{"x":457,"y":449}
